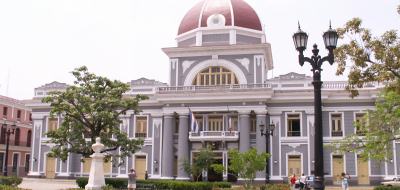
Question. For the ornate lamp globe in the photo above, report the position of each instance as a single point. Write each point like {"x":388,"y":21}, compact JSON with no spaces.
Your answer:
{"x":300,"y":40}
{"x":330,"y":38}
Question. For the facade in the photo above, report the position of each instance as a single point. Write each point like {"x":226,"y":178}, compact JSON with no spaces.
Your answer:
{"x":14,"y":112}
{"x":219,"y":72}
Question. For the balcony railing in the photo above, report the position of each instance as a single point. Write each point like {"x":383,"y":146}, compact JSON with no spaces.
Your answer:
{"x":337,"y":133}
{"x":140,"y":135}
{"x":230,"y":88}
{"x":242,"y":87}
{"x":214,"y":136}
{"x":17,"y":143}
{"x":293,"y":133}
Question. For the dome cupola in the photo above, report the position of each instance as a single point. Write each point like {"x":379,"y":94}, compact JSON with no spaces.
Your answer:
{"x":220,"y":13}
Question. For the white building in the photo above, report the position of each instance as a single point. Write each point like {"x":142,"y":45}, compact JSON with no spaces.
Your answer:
{"x":219,"y":70}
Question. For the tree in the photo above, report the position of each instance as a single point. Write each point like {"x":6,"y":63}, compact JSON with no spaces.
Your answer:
{"x":376,"y":59}
{"x":203,"y":161}
{"x":246,"y":164}
{"x":92,"y":108}
{"x":380,"y":128}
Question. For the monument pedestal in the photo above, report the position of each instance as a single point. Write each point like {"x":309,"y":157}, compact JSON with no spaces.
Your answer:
{"x":96,"y":176}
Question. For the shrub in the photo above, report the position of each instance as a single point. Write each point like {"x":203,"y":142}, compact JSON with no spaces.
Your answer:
{"x":386,"y":188}
{"x":159,"y":184}
{"x":10,"y":180}
{"x":6,"y":187}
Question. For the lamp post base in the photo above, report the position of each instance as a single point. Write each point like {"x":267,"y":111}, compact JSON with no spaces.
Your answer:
{"x":319,"y":183}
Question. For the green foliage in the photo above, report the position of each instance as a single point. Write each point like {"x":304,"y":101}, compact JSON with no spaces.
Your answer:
{"x":203,"y":161}
{"x":381,"y":128}
{"x":375,"y":59}
{"x":246,"y":164}
{"x":7,"y":187}
{"x":159,"y":184}
{"x":92,"y":107}
{"x":386,"y":188}
{"x":10,"y":180}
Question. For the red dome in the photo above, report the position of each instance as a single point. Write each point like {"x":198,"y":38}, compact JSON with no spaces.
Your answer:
{"x":240,"y":13}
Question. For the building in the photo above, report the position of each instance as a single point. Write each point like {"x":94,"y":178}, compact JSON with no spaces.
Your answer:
{"x":14,"y":113}
{"x":219,"y":70}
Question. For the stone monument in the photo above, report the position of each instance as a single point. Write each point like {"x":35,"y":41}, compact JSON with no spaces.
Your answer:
{"x":96,"y":176}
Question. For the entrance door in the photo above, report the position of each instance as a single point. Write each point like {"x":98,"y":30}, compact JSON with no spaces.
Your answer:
{"x":294,"y":165}
{"x":362,"y":171}
{"x":50,"y":167}
{"x":140,"y":166}
{"x":337,"y":166}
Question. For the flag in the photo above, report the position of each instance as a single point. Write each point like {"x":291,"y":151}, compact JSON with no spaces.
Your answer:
{"x":194,"y":126}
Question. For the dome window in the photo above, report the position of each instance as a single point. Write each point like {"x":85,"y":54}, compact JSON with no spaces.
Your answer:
{"x":216,"y":20}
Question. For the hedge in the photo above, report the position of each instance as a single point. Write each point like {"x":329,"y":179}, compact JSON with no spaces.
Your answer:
{"x":278,"y":186}
{"x":386,"y":188}
{"x":161,"y":184}
{"x":10,"y":180}
{"x":7,"y":187}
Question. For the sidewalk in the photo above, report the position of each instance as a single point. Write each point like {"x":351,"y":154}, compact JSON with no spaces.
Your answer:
{"x":350,"y":188}
{"x":47,"y":184}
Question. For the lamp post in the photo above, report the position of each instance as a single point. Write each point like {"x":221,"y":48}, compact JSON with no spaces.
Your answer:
{"x":300,"y":41}
{"x":9,"y":131}
{"x":267,"y":131}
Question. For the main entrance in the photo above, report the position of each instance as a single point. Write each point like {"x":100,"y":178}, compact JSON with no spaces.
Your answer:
{"x":294,"y":165}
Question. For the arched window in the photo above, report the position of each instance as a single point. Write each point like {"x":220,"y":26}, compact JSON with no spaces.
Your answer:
{"x":215,"y":76}
{"x":17,"y":135}
{"x":29,"y":138}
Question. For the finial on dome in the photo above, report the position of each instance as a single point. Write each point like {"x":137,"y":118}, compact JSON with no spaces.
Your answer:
{"x":330,"y":26}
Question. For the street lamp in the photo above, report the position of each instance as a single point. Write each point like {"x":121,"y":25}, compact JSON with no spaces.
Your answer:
{"x":9,"y":131}
{"x":267,"y":131}
{"x":300,"y":41}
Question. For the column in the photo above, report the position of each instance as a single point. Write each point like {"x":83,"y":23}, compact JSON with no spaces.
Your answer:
{"x":244,"y":131}
{"x":183,"y":145}
{"x":167,"y":163}
{"x":260,"y":140}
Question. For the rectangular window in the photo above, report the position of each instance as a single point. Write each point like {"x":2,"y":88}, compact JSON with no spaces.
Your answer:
{"x":336,"y":125}
{"x":199,"y":120}
{"x":293,"y":124}
{"x":52,"y":124}
{"x":19,"y":114}
{"x":233,"y":123}
{"x":27,"y":161}
{"x":215,"y":123}
{"x":5,"y":111}
{"x":30,"y":117}
{"x":253,"y":124}
{"x":141,"y":127}
{"x":360,"y":123}
{"x":15,"y":164}
{"x":1,"y":161}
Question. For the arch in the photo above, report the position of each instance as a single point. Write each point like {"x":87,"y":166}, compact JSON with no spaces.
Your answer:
{"x":219,"y":62}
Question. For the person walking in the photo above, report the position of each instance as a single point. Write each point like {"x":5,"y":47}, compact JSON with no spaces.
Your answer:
{"x":302,"y":181}
{"x":345,"y":181}
{"x":292,"y":181}
{"x":132,"y":180}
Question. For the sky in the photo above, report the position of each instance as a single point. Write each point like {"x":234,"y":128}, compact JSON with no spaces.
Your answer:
{"x":42,"y":41}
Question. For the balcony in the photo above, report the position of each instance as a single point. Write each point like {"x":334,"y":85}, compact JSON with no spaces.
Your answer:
{"x":214,"y":136}
{"x":337,"y":133}
{"x":206,"y":89}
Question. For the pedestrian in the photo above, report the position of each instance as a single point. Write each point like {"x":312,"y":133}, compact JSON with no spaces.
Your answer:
{"x":292,"y":181}
{"x":146,"y":175}
{"x":302,"y":181}
{"x":345,"y":181}
{"x":132,"y":180}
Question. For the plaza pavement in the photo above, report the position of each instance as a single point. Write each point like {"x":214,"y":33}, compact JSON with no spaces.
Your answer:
{"x":47,"y":184}
{"x":61,"y":184}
